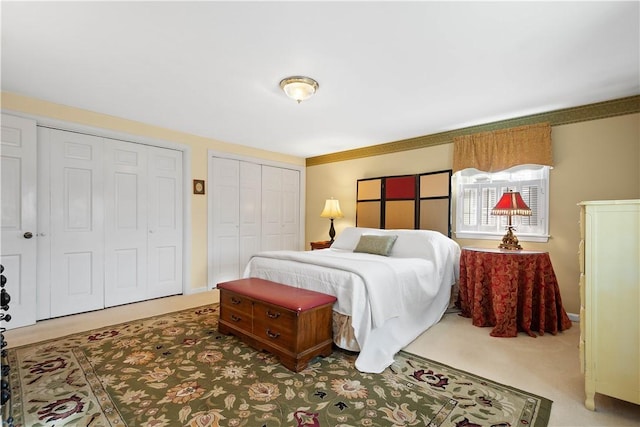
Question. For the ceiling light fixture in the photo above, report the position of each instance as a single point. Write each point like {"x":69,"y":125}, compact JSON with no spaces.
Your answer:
{"x":299,"y":88}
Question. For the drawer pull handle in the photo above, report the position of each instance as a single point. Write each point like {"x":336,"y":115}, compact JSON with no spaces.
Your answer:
{"x":272,"y":334}
{"x":272,"y":315}
{"x":235,"y":318}
{"x":235,"y":300}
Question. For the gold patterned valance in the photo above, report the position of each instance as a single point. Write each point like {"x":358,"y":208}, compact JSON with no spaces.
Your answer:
{"x":502,"y":149}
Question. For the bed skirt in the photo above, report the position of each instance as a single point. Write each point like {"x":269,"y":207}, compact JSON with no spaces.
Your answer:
{"x":343,"y":335}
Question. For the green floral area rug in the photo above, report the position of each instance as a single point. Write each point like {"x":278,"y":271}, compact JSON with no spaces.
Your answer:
{"x":177,"y":370}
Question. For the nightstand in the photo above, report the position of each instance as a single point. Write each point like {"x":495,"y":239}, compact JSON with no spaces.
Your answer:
{"x":511,"y":291}
{"x":321,"y":245}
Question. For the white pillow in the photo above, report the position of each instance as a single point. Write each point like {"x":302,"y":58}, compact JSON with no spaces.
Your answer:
{"x":410,"y":243}
{"x":416,"y":243}
{"x":349,"y":237}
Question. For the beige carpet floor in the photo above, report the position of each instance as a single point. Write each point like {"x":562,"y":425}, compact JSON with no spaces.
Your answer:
{"x":547,"y":365}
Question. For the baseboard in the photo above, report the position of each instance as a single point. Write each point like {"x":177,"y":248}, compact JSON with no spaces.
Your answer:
{"x":574,"y":317}
{"x":192,"y":291}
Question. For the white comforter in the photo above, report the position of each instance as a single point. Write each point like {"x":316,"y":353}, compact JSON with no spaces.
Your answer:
{"x":391,"y":300}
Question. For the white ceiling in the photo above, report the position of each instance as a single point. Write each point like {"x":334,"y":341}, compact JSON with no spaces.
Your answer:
{"x":387,"y":70}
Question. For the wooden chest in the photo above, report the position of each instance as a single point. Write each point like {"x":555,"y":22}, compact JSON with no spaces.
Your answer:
{"x":292,"y":323}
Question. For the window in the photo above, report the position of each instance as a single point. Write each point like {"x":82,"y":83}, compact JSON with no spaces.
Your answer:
{"x":478,"y":192}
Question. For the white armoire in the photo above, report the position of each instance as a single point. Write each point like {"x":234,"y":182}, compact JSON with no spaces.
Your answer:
{"x":610,"y":299}
{"x":253,"y":207}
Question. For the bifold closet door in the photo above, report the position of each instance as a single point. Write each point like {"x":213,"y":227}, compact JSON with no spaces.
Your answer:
{"x":115,"y":223}
{"x":125,"y":223}
{"x":236,"y":212}
{"x":225,"y":214}
{"x":143,"y":232}
{"x":250,"y":212}
{"x":165,"y":217}
{"x":77,"y":223}
{"x":280,"y":208}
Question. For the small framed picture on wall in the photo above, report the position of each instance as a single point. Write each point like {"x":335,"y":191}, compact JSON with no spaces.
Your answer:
{"x":198,"y":186}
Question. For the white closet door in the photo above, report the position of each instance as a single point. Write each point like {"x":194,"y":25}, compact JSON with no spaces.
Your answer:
{"x":18,"y":186}
{"x":125,"y":222}
{"x":250,"y":212}
{"x":225,"y":201}
{"x":165,"y":222}
{"x":290,"y":198}
{"x":77,"y":223}
{"x":280,"y":208}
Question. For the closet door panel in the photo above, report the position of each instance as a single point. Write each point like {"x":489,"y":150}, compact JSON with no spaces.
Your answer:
{"x":225,"y":194}
{"x":125,"y":223}
{"x":164,"y":222}
{"x":271,"y":208}
{"x":280,"y":208}
{"x":290,"y":209}
{"x":250,"y":202}
{"x":77,"y":223}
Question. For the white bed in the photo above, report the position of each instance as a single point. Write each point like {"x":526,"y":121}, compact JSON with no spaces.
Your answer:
{"x":386,"y":300}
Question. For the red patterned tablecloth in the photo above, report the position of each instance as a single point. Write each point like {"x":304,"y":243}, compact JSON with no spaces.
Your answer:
{"x":511,"y":291}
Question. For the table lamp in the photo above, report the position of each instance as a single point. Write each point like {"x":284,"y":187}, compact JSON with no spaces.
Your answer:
{"x":331,"y":210}
{"x":510,"y":204}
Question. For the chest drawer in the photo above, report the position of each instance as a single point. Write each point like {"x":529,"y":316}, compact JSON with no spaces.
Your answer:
{"x":274,"y":316}
{"x":236,"y":302}
{"x":275,"y":324}
{"x":276,"y":334}
{"x":238,"y":319}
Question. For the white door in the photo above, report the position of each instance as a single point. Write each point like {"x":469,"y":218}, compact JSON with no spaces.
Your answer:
{"x":225,"y":214}
{"x":290,"y":199}
{"x":125,"y":222}
{"x":280,"y":208}
{"x":18,"y":218}
{"x":236,"y":212}
{"x":77,"y":223}
{"x":250,"y":212}
{"x":164,"y":222}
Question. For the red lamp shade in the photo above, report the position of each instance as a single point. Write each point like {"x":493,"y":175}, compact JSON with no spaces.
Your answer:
{"x":511,"y":203}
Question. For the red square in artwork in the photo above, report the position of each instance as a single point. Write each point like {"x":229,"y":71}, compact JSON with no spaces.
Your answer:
{"x":400,"y":187}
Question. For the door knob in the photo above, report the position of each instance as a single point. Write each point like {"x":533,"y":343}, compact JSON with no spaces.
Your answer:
{"x":28,"y":235}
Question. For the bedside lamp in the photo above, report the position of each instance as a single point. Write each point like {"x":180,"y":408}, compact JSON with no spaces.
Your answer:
{"x":510,"y":204}
{"x":331,"y":210}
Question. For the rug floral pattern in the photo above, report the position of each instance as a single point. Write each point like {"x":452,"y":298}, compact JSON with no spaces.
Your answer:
{"x":177,"y":370}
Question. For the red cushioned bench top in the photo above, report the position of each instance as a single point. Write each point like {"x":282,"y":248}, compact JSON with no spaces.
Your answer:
{"x":278,"y":294}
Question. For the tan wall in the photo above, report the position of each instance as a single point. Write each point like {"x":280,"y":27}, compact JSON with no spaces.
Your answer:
{"x":595,"y":160}
{"x":199,"y":162}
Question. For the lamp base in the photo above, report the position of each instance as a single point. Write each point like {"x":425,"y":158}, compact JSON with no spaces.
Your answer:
{"x":332,"y":231}
{"x":510,"y":241}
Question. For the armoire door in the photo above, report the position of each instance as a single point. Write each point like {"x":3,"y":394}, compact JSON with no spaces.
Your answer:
{"x":280,"y":208}
{"x":77,"y":223}
{"x":18,"y":218}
